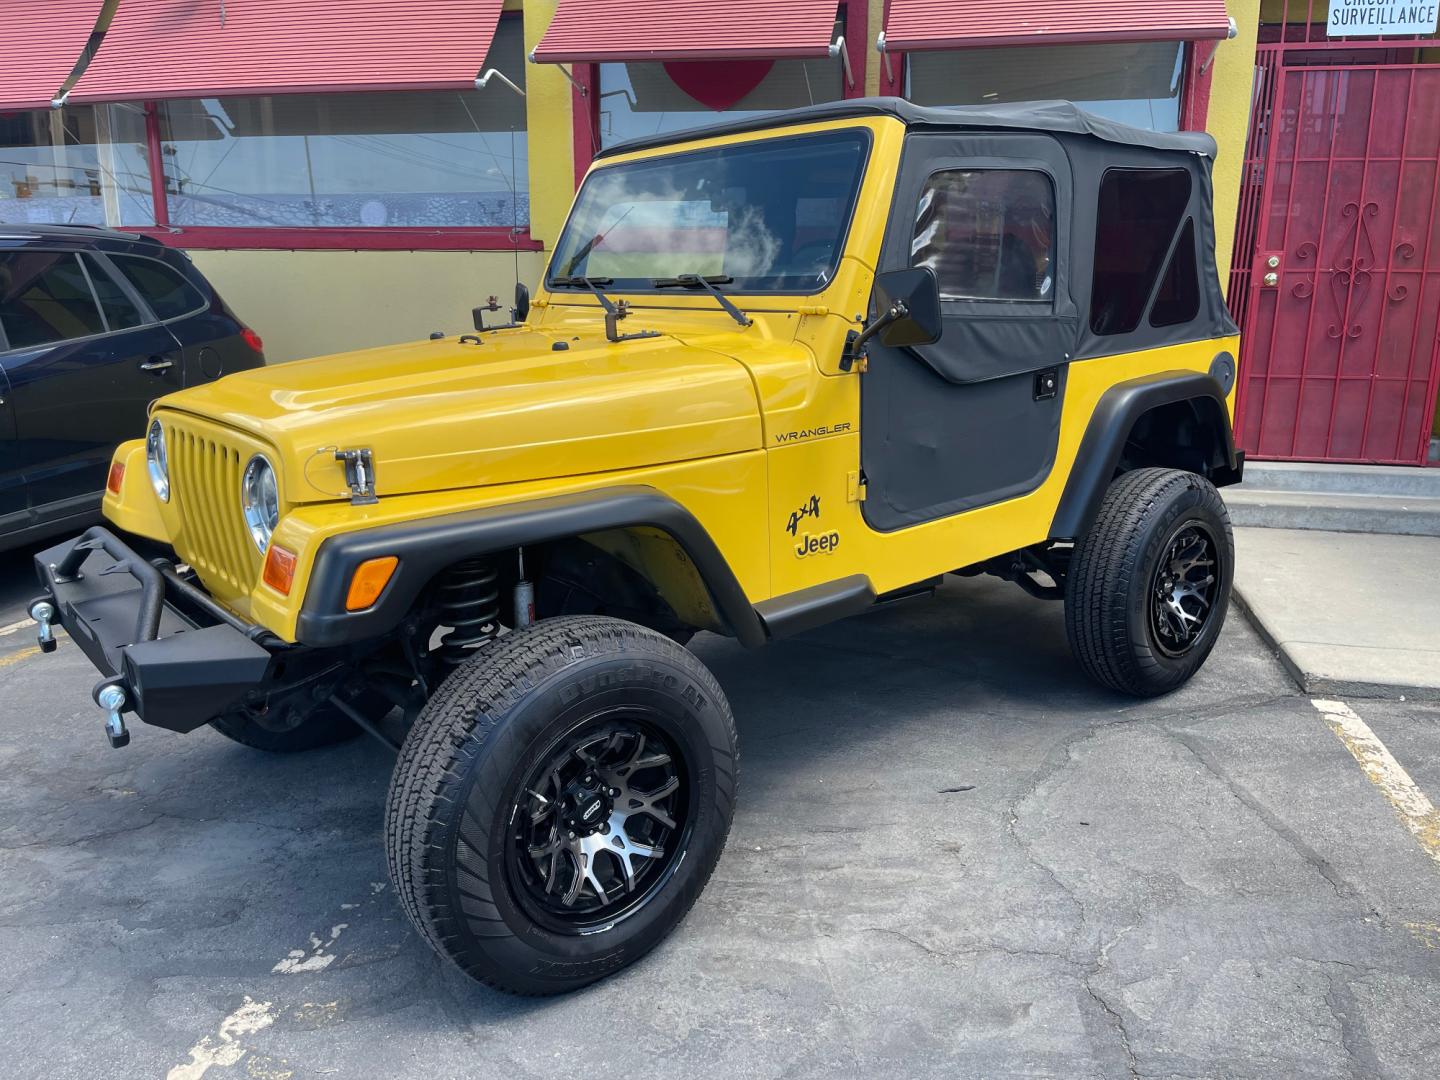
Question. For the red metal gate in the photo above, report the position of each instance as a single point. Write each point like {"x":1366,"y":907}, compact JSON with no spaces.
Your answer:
{"x":1340,"y":359}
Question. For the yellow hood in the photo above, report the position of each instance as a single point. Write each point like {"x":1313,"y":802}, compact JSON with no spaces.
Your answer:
{"x":442,"y":414}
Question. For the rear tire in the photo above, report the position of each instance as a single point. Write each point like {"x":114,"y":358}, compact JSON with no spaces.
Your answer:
{"x":1149,"y":584}
{"x":582,"y":743}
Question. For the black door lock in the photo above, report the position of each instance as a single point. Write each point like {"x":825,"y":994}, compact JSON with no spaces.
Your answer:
{"x":1047,"y":384}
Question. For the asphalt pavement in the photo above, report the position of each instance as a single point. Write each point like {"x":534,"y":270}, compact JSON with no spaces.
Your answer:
{"x":953,"y":857}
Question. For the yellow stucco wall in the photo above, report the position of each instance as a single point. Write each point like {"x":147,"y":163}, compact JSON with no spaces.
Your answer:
{"x":308,"y":303}
{"x":1231,"y":87}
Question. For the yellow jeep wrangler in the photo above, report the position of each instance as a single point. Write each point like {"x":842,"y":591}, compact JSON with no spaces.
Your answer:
{"x":778,"y":372}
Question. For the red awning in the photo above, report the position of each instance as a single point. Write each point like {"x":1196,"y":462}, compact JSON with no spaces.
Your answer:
{"x":913,"y":25}
{"x":625,"y":30}
{"x":40,"y":43}
{"x":187,"y":48}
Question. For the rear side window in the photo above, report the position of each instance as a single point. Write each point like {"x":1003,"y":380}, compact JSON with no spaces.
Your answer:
{"x":120,"y":311}
{"x":989,"y":234}
{"x":1178,"y":300}
{"x":1139,"y":212}
{"x":165,"y":290}
{"x":44,"y":298}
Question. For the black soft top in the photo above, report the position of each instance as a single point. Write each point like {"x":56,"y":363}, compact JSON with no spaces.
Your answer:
{"x":1051,"y":116}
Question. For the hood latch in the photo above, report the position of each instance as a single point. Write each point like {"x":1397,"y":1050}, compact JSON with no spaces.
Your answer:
{"x":359,"y":475}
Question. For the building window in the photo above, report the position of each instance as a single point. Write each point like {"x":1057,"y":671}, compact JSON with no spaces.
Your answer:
{"x":81,"y":165}
{"x":1135,"y":83}
{"x":412,"y":159}
{"x":989,"y":234}
{"x":1140,"y":211}
{"x":642,"y":99}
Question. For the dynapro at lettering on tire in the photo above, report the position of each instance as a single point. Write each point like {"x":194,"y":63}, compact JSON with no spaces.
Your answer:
{"x":777,"y":372}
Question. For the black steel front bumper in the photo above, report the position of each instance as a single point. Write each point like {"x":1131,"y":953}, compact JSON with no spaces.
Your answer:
{"x":179,"y":657}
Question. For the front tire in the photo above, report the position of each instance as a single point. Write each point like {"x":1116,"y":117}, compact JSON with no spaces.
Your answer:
{"x":1149,"y":584}
{"x":560,"y":803}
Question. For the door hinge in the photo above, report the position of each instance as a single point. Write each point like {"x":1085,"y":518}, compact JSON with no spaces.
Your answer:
{"x":854,"y":486}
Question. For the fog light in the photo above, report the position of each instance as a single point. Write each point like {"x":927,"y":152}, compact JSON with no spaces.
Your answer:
{"x":279,"y":569}
{"x":370,"y":579}
{"x":117,"y":477}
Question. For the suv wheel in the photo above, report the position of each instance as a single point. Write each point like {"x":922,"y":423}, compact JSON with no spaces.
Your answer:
{"x":1149,"y":584}
{"x":561,"y":801}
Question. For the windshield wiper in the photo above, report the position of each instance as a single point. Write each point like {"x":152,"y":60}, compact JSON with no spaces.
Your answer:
{"x":613,"y":312}
{"x":689,"y":281}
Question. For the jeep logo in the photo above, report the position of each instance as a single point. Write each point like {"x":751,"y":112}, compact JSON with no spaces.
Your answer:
{"x":822,"y":544}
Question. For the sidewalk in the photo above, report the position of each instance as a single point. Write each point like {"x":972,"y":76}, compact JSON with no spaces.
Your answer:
{"x":1350,"y":614}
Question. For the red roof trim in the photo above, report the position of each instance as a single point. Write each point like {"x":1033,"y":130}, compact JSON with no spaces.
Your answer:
{"x":916,"y":25}
{"x":620,"y":31}
{"x":41,"y":44}
{"x":160,"y":49}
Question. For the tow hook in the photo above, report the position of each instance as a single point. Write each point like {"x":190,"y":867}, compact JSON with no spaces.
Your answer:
{"x":42,"y":611}
{"x":112,"y":698}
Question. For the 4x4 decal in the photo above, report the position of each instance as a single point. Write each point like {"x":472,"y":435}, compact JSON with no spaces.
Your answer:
{"x":808,"y":509}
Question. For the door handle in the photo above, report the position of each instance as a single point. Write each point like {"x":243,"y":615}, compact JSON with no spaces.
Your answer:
{"x":156,"y":365}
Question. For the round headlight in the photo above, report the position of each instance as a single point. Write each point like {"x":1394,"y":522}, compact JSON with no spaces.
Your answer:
{"x":158,"y":460}
{"x":260,"y":501}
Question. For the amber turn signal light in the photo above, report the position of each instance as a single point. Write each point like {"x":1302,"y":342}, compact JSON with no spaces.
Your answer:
{"x":117,"y":477}
{"x":370,"y":579}
{"x":279,"y":569}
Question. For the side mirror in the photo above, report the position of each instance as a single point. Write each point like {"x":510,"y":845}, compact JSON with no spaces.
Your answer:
{"x":917,"y":293}
{"x":522,"y":302}
{"x":907,"y":306}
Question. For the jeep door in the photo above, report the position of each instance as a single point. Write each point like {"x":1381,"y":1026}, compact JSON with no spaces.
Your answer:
{"x":85,"y":359}
{"x":974,"y":418}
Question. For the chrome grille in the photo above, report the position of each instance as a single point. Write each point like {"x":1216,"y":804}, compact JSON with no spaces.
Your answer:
{"x":205,"y":475}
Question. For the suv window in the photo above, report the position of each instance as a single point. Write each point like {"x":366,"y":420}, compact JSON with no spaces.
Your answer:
{"x":45,"y":297}
{"x":989,"y":234}
{"x":121,"y":313}
{"x":1139,"y":213}
{"x":1178,"y":300}
{"x":164,"y":289}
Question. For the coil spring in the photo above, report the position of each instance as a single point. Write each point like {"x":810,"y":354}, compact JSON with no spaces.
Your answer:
{"x":469,"y":603}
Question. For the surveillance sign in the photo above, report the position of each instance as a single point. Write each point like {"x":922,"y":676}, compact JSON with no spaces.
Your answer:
{"x":1368,"y":18}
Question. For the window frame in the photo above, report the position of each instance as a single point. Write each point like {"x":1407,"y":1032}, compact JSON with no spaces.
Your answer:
{"x":315,"y":238}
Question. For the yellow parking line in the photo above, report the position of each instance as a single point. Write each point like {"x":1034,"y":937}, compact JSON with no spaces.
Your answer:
{"x":1413,"y":805}
{"x":16,"y":657}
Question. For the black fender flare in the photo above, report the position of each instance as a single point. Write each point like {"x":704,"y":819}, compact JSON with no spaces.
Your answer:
{"x":425,"y":546}
{"x":1110,"y":425}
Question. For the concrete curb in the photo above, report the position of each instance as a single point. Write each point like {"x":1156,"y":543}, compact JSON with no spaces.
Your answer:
{"x":1318,"y":684}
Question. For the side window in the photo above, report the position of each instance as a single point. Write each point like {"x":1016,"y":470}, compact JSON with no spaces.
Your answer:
{"x":989,"y":234}
{"x":1139,"y":212}
{"x":44,"y":297}
{"x":120,"y":311}
{"x":1178,"y":300}
{"x":164,"y":289}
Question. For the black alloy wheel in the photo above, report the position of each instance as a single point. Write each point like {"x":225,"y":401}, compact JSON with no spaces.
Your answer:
{"x":599,"y":823}
{"x":1183,"y":588}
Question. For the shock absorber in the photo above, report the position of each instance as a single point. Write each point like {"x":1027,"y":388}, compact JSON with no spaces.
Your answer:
{"x":469,"y":603}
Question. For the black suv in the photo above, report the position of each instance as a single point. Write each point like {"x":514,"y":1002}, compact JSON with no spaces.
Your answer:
{"x":94,"y":325}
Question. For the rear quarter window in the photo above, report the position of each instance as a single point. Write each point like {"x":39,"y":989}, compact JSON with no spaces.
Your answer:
{"x":163,"y":288}
{"x":1139,"y":213}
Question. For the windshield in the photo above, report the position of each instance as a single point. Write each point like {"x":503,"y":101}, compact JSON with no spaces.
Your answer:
{"x":765,"y":216}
